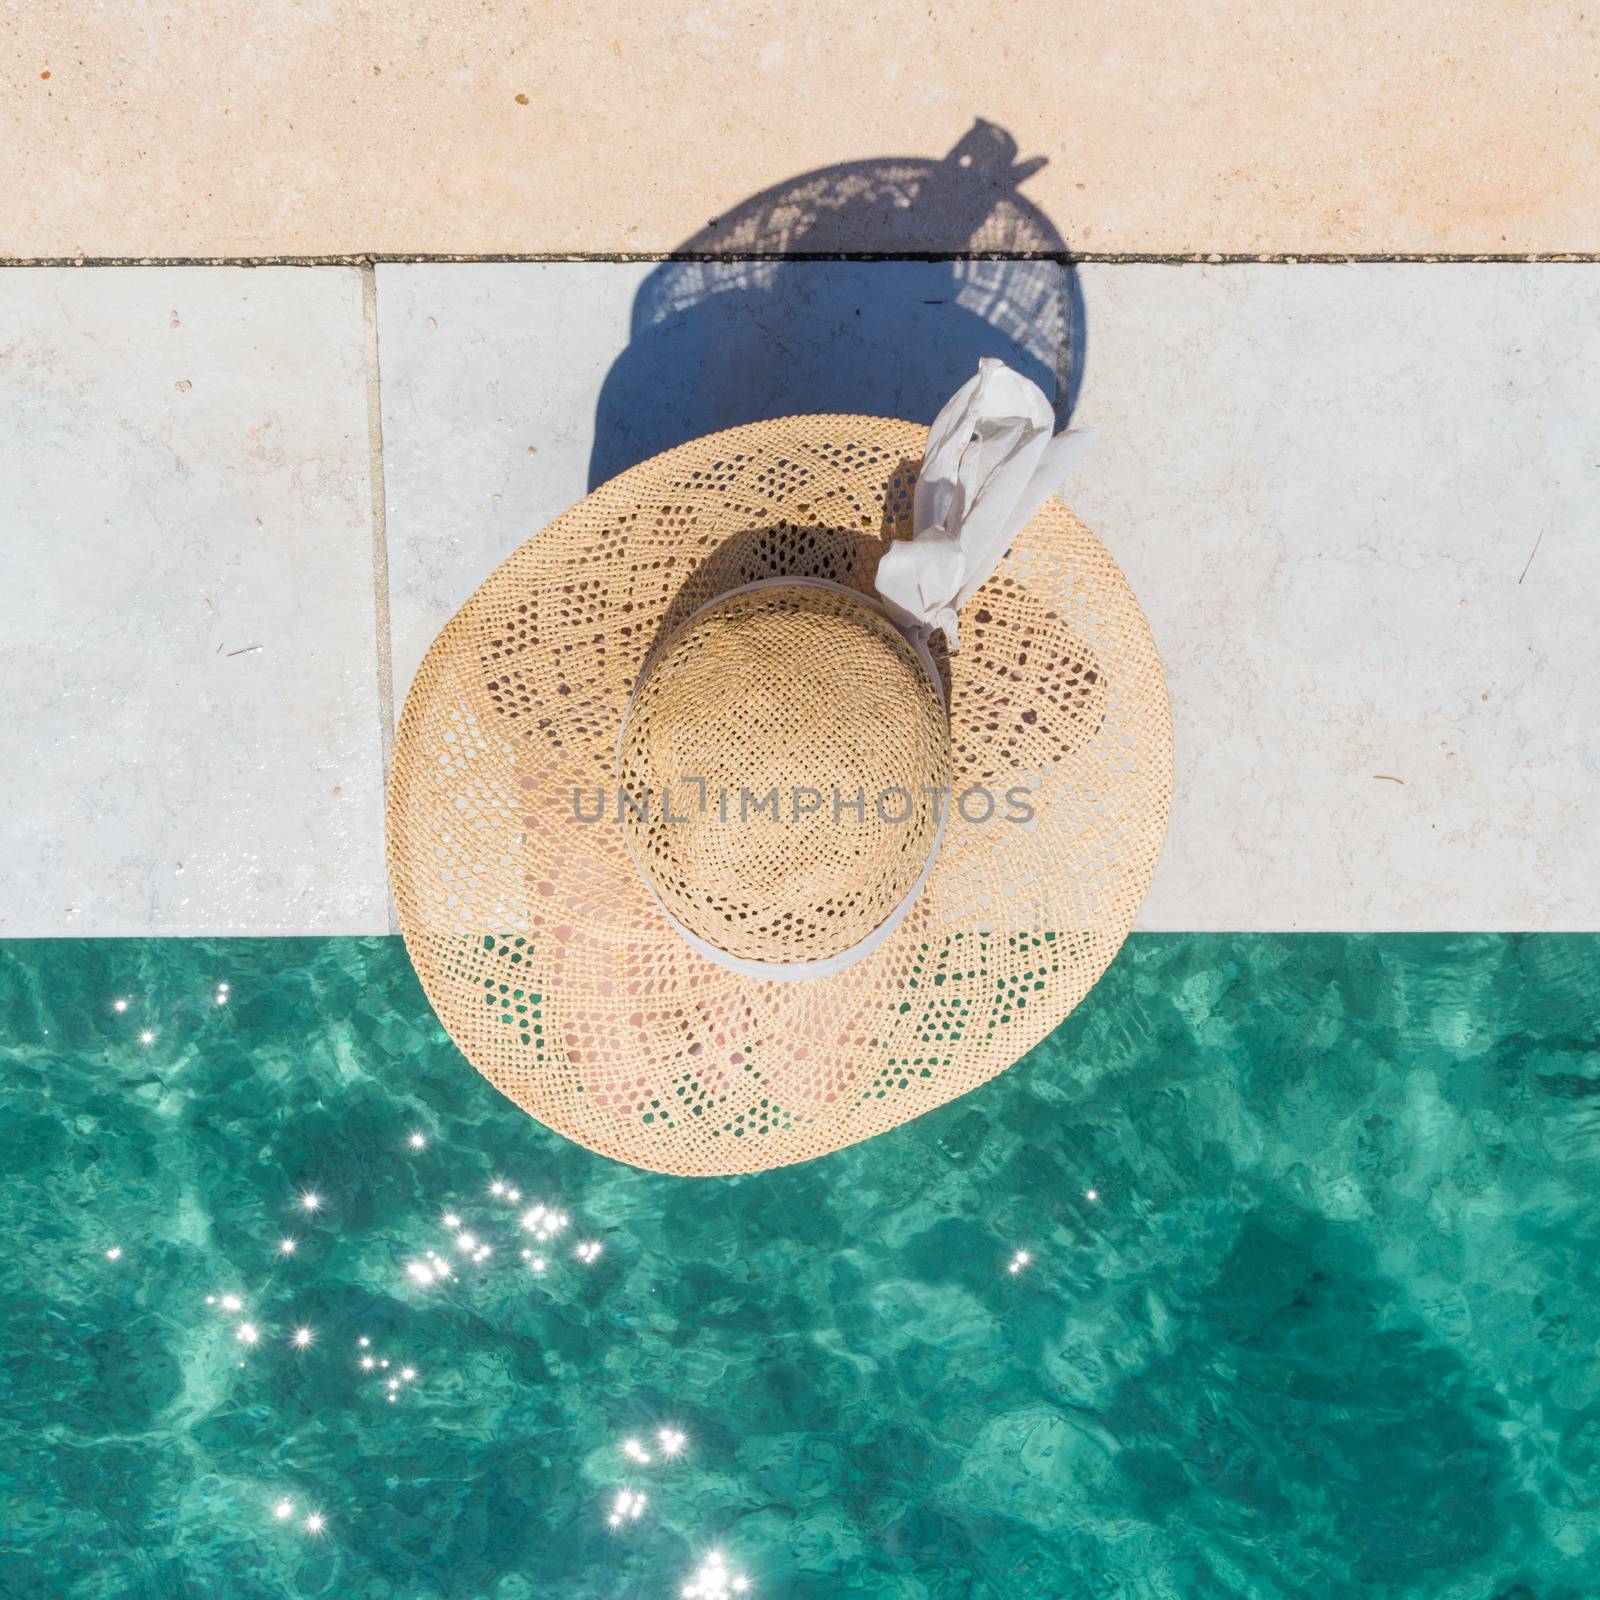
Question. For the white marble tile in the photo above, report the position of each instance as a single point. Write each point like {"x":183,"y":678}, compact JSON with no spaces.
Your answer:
{"x":1361,"y":505}
{"x":511,"y":389}
{"x":1325,"y":482}
{"x":192,"y":738}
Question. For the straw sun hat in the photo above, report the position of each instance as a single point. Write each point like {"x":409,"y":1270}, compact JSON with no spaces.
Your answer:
{"x":719,"y":842}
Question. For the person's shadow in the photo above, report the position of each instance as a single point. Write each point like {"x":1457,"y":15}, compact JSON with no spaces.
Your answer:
{"x":772,"y":311}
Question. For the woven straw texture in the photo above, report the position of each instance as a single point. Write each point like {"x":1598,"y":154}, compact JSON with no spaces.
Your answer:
{"x":538,"y":942}
{"x":809,"y":699}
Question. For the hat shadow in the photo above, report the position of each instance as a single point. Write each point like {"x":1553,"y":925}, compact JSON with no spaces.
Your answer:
{"x":774,"y":310}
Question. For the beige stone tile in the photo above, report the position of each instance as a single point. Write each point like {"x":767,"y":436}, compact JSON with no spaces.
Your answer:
{"x":227,"y":128}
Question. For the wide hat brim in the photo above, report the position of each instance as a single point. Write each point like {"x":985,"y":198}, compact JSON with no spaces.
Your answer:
{"x":540,"y":946}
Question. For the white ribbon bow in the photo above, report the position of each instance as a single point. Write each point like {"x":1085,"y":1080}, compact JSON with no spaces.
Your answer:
{"x":990,"y":464}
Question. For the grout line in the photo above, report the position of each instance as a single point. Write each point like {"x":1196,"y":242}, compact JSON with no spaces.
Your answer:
{"x":383,"y":638}
{"x":1204,"y":258}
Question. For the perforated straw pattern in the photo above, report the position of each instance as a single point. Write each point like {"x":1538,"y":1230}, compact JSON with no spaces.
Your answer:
{"x":540,"y":946}
{"x":782,"y":768}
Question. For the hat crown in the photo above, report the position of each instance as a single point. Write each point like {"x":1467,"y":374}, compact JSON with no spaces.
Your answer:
{"x":782,"y":766}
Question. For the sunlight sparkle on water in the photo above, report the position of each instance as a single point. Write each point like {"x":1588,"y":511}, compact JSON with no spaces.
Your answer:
{"x":627,"y":1507}
{"x":543,"y":1222}
{"x":715,"y":1580}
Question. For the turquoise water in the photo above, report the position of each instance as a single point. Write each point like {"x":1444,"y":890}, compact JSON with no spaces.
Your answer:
{"x":1330,"y":1325}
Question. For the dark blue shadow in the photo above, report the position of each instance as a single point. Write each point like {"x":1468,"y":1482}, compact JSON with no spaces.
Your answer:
{"x":753,"y":325}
